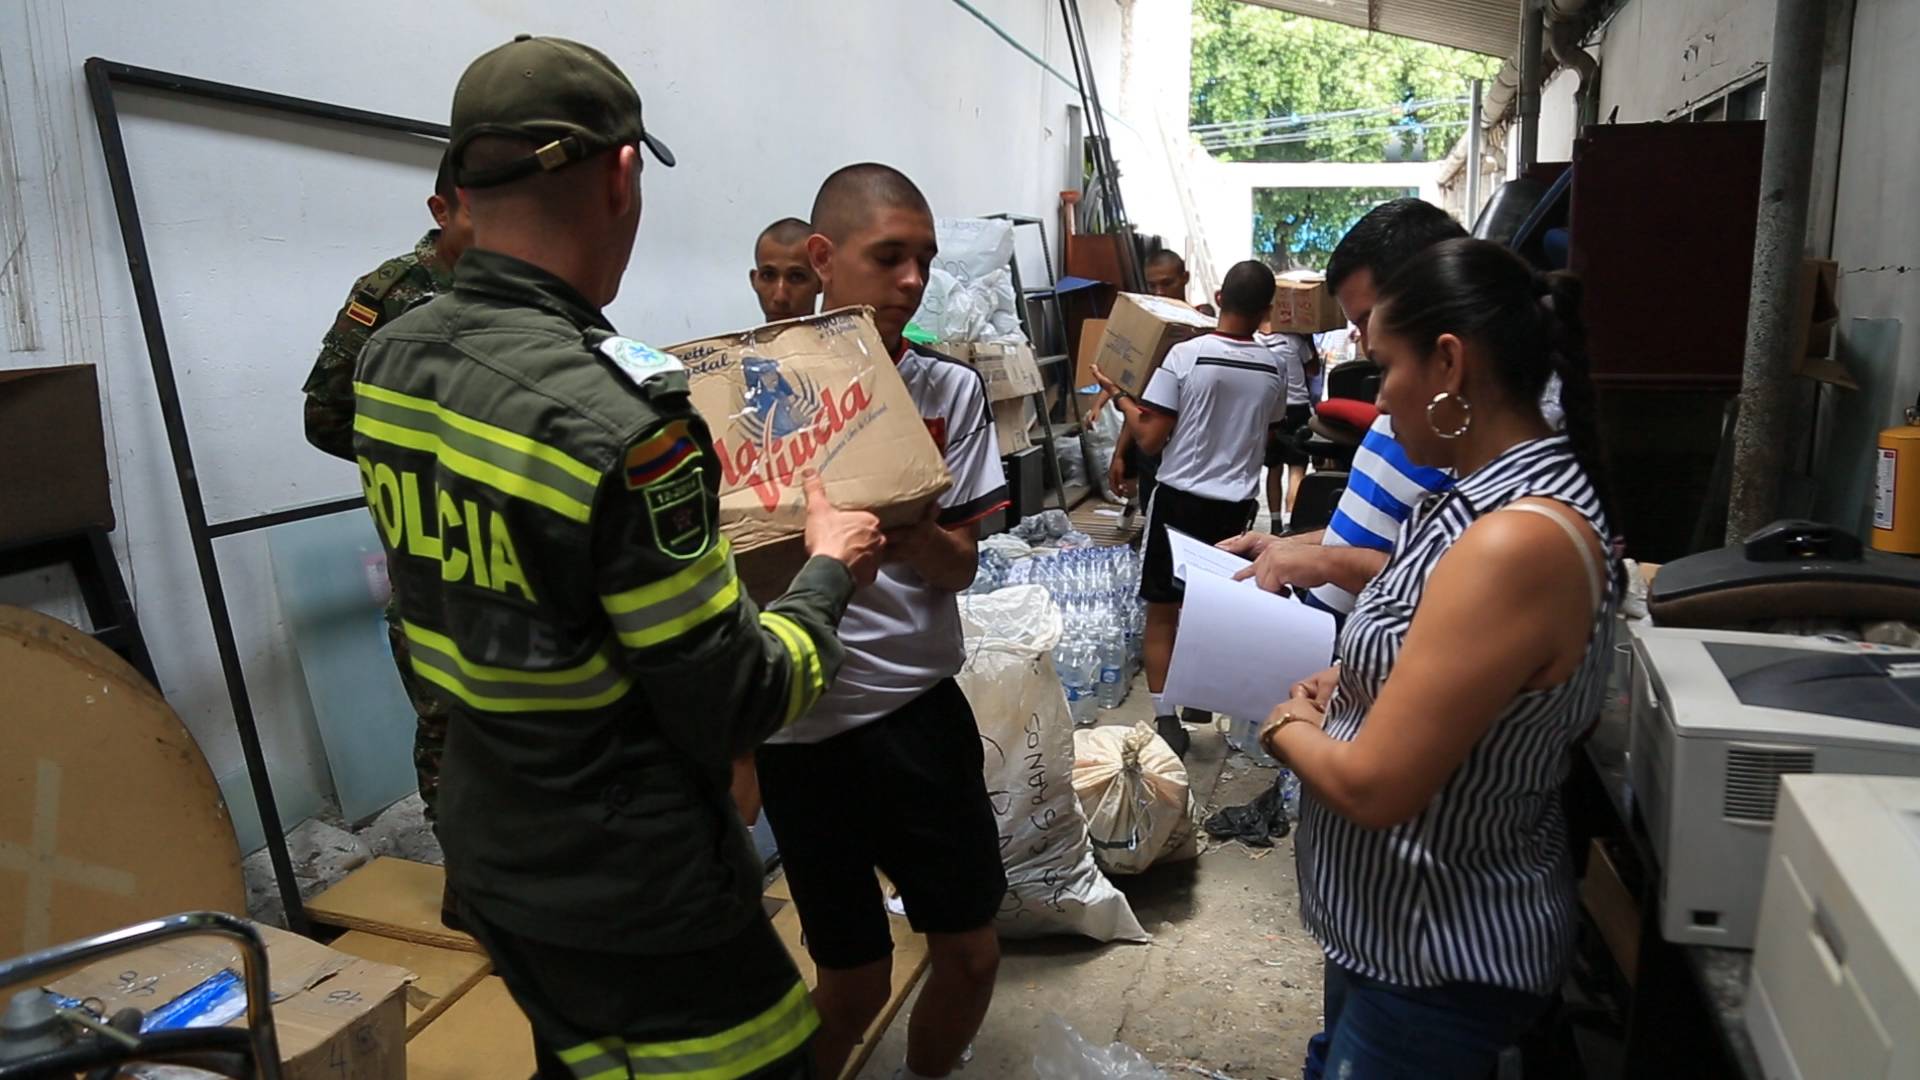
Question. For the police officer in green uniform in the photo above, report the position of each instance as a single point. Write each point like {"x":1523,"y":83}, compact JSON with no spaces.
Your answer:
{"x":402,"y":282}
{"x":548,"y":499}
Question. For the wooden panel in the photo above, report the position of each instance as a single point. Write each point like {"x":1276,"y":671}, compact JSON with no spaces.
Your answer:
{"x":1663,"y":225}
{"x":482,"y":1034}
{"x":109,"y":814}
{"x":441,"y":976}
{"x":393,"y":898}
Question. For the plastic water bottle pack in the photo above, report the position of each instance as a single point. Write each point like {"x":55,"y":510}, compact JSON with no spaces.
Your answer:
{"x":1097,"y":589}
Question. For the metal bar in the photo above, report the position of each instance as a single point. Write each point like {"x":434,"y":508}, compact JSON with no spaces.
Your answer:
{"x":1532,"y":44}
{"x":253,"y":954}
{"x":1474,"y":153}
{"x":286,"y":517}
{"x":101,"y":76}
{"x":1760,"y":435}
{"x":242,"y":95}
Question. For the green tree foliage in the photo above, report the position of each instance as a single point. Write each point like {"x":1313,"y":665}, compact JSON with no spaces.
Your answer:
{"x":1271,"y":86}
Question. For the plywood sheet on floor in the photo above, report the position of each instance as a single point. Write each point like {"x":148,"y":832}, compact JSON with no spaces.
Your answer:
{"x":441,"y":976}
{"x":1101,"y":520}
{"x":392,"y":898}
{"x":483,"y":1034}
{"x":909,"y":963}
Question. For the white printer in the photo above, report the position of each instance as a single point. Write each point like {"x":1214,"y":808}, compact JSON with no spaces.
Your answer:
{"x":1836,"y":965}
{"x":1718,"y":716}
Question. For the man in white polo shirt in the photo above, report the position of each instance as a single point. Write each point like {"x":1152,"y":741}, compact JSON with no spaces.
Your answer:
{"x":885,"y":772}
{"x":1207,"y":412}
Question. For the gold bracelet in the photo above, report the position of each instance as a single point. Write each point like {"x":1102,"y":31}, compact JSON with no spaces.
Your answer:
{"x":1266,"y":741}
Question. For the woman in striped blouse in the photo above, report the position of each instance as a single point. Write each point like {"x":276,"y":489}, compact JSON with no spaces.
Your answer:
{"x":1433,"y":860}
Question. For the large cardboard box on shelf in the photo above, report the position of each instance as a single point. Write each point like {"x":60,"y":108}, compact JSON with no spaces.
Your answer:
{"x":53,"y":453}
{"x":1008,"y":368}
{"x":334,"y":1014}
{"x":814,"y":393}
{"x":1013,"y":425}
{"x":1139,"y":331}
{"x":1304,"y":305}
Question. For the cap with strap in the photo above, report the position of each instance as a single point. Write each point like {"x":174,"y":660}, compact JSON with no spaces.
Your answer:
{"x":566,"y":98}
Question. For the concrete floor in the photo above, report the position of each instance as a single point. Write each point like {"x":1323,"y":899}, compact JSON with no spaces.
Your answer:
{"x":1229,"y":987}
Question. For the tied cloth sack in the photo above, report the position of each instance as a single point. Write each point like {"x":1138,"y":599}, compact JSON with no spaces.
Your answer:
{"x":1140,"y":809}
{"x":1053,"y":886}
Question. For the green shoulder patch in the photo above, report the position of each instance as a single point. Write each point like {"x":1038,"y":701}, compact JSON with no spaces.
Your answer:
{"x":677,"y":513}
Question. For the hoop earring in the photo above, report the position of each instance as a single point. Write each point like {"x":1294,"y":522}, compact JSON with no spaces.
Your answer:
{"x":1466,"y":415}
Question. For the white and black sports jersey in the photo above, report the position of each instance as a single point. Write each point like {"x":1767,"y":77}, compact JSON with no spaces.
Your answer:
{"x":902,"y":634}
{"x":1478,"y":887}
{"x":1293,"y":351}
{"x":1224,"y":392}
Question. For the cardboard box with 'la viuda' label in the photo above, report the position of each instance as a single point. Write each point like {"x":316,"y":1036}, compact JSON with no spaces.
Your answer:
{"x":814,"y":393}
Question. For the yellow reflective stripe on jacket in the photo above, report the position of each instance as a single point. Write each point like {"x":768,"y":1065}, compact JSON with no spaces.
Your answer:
{"x":508,"y":462}
{"x":660,"y":611}
{"x":437,"y":659}
{"x":807,"y":682}
{"x":738,"y":1051}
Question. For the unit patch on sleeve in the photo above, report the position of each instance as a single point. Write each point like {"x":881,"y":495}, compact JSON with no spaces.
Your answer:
{"x":677,"y":511}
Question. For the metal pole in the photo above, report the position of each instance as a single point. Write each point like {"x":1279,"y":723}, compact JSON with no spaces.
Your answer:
{"x":1532,"y":44}
{"x":1760,"y":432}
{"x":107,"y":115}
{"x":1474,"y":153}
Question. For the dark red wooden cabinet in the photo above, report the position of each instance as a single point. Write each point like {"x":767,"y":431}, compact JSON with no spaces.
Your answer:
{"x":1663,"y":222}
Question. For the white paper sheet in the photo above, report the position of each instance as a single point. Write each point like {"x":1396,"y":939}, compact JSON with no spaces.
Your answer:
{"x":1241,"y":649}
{"x":1189,"y":553}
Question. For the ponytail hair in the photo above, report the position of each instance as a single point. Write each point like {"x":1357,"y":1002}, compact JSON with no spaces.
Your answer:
{"x":1528,"y":322}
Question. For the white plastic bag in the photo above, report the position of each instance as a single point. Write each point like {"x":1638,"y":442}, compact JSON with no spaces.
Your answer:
{"x":1054,"y":887}
{"x":1140,"y":809}
{"x":1097,"y":442}
{"x":969,"y":294}
{"x":1065,"y":1054}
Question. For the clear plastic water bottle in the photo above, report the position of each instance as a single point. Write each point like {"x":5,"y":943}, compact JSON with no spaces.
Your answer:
{"x":1113,"y":660}
{"x":1290,"y":794}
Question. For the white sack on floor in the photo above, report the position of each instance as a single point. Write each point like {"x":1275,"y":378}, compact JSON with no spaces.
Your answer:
{"x":1140,"y":809}
{"x":1054,"y":887}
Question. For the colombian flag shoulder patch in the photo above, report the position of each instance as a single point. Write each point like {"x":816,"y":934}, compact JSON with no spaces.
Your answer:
{"x":656,"y":457}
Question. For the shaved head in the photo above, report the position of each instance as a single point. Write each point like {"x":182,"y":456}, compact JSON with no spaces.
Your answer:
{"x":850,"y":197}
{"x":1168,"y":258}
{"x":788,"y":230}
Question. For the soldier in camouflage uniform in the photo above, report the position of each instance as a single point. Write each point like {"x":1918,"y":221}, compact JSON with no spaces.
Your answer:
{"x":398,"y":285}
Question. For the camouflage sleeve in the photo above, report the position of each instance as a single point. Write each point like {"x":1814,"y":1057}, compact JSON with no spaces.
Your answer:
{"x":329,"y":387}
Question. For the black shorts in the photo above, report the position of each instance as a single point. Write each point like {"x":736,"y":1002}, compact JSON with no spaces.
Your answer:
{"x":1204,"y":519}
{"x":591,"y":1010}
{"x":904,"y":794}
{"x":1283,"y":446}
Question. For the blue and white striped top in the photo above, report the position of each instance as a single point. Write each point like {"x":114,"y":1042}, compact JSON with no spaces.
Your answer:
{"x":1478,"y":887}
{"x":1383,"y":489}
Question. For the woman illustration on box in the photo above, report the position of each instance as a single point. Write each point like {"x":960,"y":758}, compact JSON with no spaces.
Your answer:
{"x":1432,"y":850}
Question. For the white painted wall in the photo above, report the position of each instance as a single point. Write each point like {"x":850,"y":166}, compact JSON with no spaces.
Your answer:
{"x":257,"y":224}
{"x":1877,"y":244}
{"x":1660,"y":58}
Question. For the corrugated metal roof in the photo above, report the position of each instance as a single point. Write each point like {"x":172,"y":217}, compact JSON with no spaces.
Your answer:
{"x":1483,"y":26}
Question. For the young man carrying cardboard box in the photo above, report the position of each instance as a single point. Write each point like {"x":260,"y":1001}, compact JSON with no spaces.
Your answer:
{"x":1207,"y":411}
{"x":886,"y":770}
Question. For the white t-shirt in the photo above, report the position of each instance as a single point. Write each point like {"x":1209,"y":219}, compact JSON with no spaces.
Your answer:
{"x":1293,"y":350}
{"x":902,"y":635}
{"x":1224,"y":393}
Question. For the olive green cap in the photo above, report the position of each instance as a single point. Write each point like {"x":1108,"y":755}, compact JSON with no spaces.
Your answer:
{"x":568,"y":98}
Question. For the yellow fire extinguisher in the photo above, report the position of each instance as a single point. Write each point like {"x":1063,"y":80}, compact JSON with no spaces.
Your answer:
{"x":1896,"y":488}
